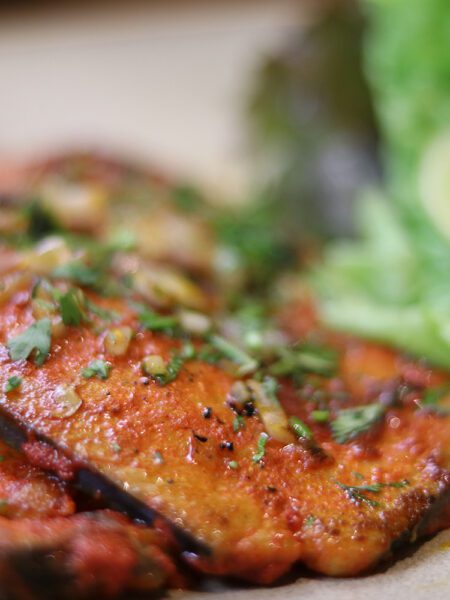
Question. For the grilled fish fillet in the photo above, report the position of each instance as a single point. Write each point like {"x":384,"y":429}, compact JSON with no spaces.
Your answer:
{"x":337,"y":508}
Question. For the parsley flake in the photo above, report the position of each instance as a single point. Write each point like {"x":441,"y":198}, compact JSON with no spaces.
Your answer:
{"x":247,"y":364}
{"x":262,"y":441}
{"x":78,"y":272}
{"x":97,"y":368}
{"x":355,"y":492}
{"x":238,"y":423}
{"x":73,"y":307}
{"x":35,"y":340}
{"x":12,"y":384}
{"x":352,"y":422}
{"x":175,"y":365}
{"x":154,"y":322}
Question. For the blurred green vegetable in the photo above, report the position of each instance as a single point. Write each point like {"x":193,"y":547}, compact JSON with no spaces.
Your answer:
{"x":394,"y":284}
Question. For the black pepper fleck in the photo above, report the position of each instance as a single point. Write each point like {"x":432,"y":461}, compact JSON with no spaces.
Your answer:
{"x":207,"y":412}
{"x":227,"y":446}
{"x":200,"y":438}
{"x":249,"y":409}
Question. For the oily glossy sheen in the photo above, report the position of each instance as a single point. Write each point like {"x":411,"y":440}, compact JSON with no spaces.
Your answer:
{"x":259,"y":518}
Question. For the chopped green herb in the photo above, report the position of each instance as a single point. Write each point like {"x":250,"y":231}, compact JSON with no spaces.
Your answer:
{"x":78,"y":272}
{"x":300,"y":429}
{"x":355,"y":492}
{"x":40,"y":221}
{"x":73,"y":307}
{"x":358,"y":475}
{"x":154,"y":322}
{"x":309,"y":521}
{"x":233,"y":464}
{"x":116,"y":448}
{"x":352,"y":422}
{"x":35,"y":340}
{"x":209,"y":355}
{"x":238,"y":423}
{"x":13,"y":383}
{"x":262,"y":441}
{"x":320,"y":416}
{"x":175,"y":364}
{"x":103,"y":313}
{"x":233,"y":353}
{"x":97,"y":368}
{"x":431,"y":398}
{"x":306,"y":358}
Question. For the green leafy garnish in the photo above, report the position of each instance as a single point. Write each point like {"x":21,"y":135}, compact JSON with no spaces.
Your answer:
{"x":13,"y":383}
{"x":262,"y":441}
{"x":103,"y":313}
{"x":233,"y":464}
{"x":392,"y":284}
{"x":238,"y":423}
{"x":320,"y":416}
{"x":78,"y":272}
{"x":309,"y":521}
{"x":305,"y":358}
{"x":175,"y":365}
{"x":154,"y":322}
{"x":247,"y":364}
{"x":97,"y":368}
{"x":73,"y":307}
{"x":355,"y":492}
{"x":300,"y":429}
{"x":35,"y":340}
{"x":352,"y":422}
{"x":40,"y":221}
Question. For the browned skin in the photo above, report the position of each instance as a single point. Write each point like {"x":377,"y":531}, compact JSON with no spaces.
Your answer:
{"x":257,"y":519}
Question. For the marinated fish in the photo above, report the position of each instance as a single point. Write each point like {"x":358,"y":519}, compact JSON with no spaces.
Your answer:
{"x":353,"y":461}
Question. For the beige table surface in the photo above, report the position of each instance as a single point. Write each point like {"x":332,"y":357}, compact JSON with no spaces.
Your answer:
{"x":162,"y":81}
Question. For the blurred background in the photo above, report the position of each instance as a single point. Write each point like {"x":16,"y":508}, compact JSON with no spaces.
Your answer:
{"x":280,"y":125}
{"x":225,"y":93}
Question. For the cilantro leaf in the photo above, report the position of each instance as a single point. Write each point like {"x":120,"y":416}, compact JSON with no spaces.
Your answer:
{"x":73,"y":307}
{"x":97,"y":368}
{"x":175,"y":365}
{"x":355,"y":492}
{"x":247,"y":364}
{"x":154,"y":322}
{"x":102,"y":313}
{"x":13,"y":383}
{"x":36,"y":339}
{"x":78,"y":272}
{"x":352,"y":422}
